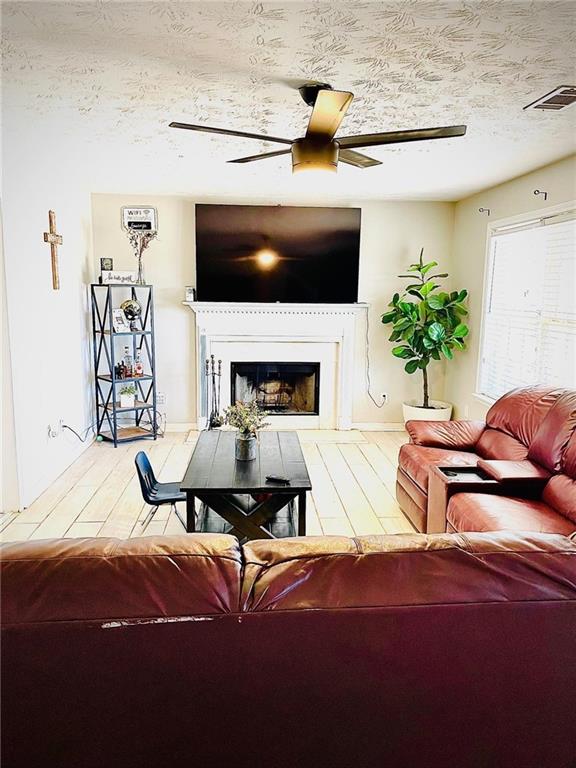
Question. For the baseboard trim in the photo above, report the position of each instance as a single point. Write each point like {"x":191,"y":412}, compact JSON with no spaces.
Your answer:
{"x":181,"y":426}
{"x":362,"y":426}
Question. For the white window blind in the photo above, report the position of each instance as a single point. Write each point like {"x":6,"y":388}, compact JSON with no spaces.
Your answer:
{"x":529,"y":334}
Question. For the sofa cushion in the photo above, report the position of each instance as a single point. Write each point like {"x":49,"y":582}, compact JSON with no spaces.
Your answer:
{"x":415,"y":460}
{"x":520,"y":412}
{"x":486,"y":512}
{"x":560,"y":493}
{"x":334,"y":572}
{"x":553,"y":434}
{"x":494,"y":444}
{"x":114,"y":579}
{"x":457,"y":435}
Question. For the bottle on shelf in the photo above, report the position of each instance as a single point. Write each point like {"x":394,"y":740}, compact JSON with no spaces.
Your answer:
{"x":138,"y":366}
{"x":121,"y":371}
{"x":128,"y":363}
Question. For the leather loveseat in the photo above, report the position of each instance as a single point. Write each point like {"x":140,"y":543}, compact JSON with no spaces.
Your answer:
{"x":532,"y":428}
{"x":405,"y":651}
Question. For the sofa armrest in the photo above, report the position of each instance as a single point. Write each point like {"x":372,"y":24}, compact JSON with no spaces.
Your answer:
{"x":460,"y":435}
{"x":514,"y":470}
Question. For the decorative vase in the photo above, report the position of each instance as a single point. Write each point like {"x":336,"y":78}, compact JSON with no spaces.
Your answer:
{"x":245,"y":448}
{"x":438,"y":411}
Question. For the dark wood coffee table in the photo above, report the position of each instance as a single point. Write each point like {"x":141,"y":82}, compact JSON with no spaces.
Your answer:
{"x":217,"y":479}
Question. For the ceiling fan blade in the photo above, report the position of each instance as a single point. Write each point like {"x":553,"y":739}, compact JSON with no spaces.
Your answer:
{"x":397,"y":137}
{"x":226,"y":132}
{"x":328,"y":112}
{"x":357,"y":159}
{"x":260,"y":157}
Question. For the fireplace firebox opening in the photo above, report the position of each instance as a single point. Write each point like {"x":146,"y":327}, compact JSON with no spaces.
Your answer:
{"x":282,"y":389}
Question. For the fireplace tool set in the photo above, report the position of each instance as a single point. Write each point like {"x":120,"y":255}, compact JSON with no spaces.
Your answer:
{"x":213,"y":375}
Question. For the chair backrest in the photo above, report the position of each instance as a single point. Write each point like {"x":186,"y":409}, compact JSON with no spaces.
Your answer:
{"x":146,"y":476}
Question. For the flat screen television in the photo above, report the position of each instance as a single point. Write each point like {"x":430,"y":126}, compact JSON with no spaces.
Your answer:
{"x":277,"y":253}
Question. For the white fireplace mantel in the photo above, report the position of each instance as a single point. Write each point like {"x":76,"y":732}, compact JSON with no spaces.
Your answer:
{"x":321,"y":332}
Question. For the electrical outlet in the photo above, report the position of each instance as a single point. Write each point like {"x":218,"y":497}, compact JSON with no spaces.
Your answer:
{"x":55,"y":430}
{"x":161,"y":401}
{"x":384,"y":397}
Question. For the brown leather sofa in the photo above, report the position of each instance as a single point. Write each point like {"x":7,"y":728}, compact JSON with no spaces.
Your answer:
{"x":532,"y":425}
{"x":408,"y":651}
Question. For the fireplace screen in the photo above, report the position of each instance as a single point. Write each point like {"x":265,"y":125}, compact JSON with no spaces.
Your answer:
{"x":280,"y":388}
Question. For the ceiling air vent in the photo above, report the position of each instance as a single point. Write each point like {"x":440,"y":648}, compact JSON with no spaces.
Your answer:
{"x":559,"y":98}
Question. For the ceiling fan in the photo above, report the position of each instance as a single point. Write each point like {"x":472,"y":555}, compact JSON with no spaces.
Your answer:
{"x":318,"y":149}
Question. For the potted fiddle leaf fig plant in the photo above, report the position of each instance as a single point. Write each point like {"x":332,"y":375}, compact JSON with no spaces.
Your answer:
{"x":427,"y":325}
{"x":248,"y":418}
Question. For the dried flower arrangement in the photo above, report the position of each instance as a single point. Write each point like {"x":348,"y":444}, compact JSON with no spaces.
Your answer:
{"x":248,"y":418}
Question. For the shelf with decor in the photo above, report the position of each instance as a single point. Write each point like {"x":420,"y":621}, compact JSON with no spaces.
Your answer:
{"x":124,"y":359}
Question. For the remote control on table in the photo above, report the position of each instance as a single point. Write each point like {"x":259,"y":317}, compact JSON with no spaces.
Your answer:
{"x":277,"y":479}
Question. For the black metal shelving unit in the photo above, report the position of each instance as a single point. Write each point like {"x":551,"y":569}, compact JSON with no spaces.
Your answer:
{"x":116,"y":424}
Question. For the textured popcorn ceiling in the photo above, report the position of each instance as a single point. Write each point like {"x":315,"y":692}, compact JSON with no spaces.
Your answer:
{"x":100,"y":81}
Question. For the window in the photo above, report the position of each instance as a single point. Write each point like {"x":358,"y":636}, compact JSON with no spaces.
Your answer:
{"x":529,"y":331}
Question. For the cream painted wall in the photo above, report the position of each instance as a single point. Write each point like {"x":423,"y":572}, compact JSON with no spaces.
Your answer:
{"x":8,"y":467}
{"x":49,"y":330}
{"x":392,"y":235}
{"x":469,"y":255}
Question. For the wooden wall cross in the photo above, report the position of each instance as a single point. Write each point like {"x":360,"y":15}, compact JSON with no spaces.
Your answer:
{"x":55,"y":240}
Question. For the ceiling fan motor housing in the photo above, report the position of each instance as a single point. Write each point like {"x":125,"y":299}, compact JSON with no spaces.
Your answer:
{"x":308,"y":154}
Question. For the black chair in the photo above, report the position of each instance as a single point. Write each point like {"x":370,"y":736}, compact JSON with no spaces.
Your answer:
{"x":155,"y":493}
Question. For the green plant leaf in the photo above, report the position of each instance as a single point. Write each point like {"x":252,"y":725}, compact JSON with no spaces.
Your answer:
{"x":435,"y":354}
{"x":403,"y":352}
{"x":435,"y":302}
{"x":414,"y":292}
{"x":411,"y":366}
{"x":423,"y":363}
{"x":427,"y":267}
{"x":442,"y":274}
{"x":460,"y":331}
{"x":422,"y":313}
{"x":461,"y":309}
{"x":407,"y":333}
{"x":428,"y":343}
{"x":462,"y":295}
{"x":427,"y":288}
{"x":437,"y":332}
{"x":446,"y":351}
{"x":395,"y":300}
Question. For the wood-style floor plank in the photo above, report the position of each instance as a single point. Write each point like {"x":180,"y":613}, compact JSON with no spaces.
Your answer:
{"x":381,"y":501}
{"x":64,"y":513}
{"x":353,"y":477}
{"x":357,"y":507}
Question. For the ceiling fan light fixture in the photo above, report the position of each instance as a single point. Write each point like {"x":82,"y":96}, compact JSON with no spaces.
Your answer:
{"x":310,"y":155}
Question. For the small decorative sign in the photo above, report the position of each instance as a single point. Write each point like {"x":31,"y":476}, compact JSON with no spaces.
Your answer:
{"x":119,"y":321}
{"x":120,"y":277}
{"x":190,"y":293}
{"x":106,"y":265}
{"x":139,"y":219}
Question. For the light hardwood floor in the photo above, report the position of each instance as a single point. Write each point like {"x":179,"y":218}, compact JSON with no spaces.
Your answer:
{"x":353,"y":478}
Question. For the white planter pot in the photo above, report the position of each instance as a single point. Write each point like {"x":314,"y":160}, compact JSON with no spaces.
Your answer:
{"x":438,"y":411}
{"x":127,"y":401}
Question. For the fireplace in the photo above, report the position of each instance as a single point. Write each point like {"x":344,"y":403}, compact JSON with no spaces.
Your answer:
{"x":282,"y":389}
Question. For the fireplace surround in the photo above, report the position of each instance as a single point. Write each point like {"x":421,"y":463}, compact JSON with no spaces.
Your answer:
{"x":244,"y":332}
